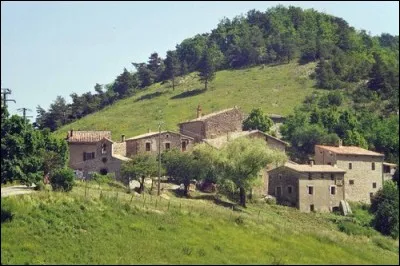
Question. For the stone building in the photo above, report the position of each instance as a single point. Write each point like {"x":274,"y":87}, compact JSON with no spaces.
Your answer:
{"x":270,"y":141}
{"x":307,"y":187}
{"x":388,"y":170}
{"x":94,"y":151}
{"x":149,"y":142}
{"x":213,"y":125}
{"x":364,"y":169}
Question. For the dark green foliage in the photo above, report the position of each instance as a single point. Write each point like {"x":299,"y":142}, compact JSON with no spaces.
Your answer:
{"x":62,"y":180}
{"x":257,"y":120}
{"x":385,"y":207}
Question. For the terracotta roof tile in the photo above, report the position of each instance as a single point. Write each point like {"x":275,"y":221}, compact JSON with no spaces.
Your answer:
{"x":88,"y":136}
{"x":353,"y":150}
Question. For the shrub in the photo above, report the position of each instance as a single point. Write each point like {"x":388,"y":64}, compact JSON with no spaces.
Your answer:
{"x":351,"y":228}
{"x":62,"y":179}
{"x":385,"y":207}
{"x":6,"y":215}
{"x":40,"y":186}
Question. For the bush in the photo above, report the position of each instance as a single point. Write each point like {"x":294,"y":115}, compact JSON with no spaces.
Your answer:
{"x":62,"y":179}
{"x":385,"y":207}
{"x":352,"y":228}
{"x":40,"y":186}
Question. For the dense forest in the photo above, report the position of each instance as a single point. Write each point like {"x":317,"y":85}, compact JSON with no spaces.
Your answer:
{"x":361,"y":69}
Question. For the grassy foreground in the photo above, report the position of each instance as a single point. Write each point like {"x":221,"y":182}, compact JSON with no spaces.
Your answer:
{"x":275,"y":89}
{"x":113,"y":227}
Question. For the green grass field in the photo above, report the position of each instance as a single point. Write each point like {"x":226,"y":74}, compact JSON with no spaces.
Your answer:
{"x":275,"y":89}
{"x":113,"y":227}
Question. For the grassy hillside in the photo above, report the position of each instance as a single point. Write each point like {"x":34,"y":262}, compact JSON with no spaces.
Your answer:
{"x":276,"y":89}
{"x":58,"y":228}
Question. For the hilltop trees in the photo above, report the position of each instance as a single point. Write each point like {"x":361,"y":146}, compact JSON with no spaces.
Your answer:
{"x":171,"y":67}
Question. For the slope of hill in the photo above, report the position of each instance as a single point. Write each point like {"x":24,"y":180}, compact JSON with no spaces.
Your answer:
{"x":275,"y":89}
{"x":110,"y":228}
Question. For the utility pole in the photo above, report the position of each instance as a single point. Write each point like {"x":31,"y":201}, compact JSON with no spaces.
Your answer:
{"x":24,"y":112}
{"x":159,"y":152}
{"x":4,"y":93}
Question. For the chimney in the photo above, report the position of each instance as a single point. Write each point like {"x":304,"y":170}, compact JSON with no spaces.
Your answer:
{"x":340,"y":142}
{"x":311,"y":163}
{"x":198,"y":111}
{"x":122,"y":138}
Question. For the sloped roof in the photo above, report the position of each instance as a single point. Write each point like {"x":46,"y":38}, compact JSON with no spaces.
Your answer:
{"x":316,"y":168}
{"x":351,"y":150}
{"x":120,"y":157}
{"x":87,"y":136}
{"x":220,"y":141}
{"x":202,"y":118}
{"x":156,"y":133}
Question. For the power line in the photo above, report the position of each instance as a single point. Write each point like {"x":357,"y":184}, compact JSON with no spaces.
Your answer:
{"x":24,"y":112}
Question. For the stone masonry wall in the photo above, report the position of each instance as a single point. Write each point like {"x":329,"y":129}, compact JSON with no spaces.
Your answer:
{"x":119,"y":148}
{"x":282,"y":177}
{"x":321,"y":198}
{"x":193,"y":129}
{"x":220,"y":124}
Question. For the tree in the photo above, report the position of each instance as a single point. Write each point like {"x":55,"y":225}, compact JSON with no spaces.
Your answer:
{"x":123,"y":83}
{"x":140,"y":167}
{"x":257,"y":120}
{"x":206,"y":68}
{"x":171,"y":67}
{"x":385,"y":207}
{"x":242,"y":160}
{"x":183,"y":166}
{"x":62,"y":179}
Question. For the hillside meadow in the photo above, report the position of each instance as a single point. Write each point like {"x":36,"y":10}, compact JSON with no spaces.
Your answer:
{"x":109,"y":226}
{"x":275,"y":89}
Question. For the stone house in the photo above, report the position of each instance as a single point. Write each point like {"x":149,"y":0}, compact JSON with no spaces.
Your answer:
{"x":149,"y":142}
{"x":94,"y":151}
{"x":212,"y":125}
{"x":307,"y":187}
{"x":270,"y":141}
{"x":388,"y":170}
{"x":364,"y":169}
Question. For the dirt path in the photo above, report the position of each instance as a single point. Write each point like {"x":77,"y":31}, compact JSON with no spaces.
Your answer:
{"x":16,"y":190}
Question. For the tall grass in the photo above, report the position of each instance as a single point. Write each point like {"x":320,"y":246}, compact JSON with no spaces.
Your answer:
{"x":109,"y":226}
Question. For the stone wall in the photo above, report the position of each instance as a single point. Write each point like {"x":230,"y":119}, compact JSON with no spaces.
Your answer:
{"x":322,"y":199}
{"x":101,"y":161}
{"x":283,"y":178}
{"x":119,"y":148}
{"x":193,"y":129}
{"x":175,"y":140}
{"x":76,"y":152}
{"x":362,"y":176}
{"x":220,"y":124}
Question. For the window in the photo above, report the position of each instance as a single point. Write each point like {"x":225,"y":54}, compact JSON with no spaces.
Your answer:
{"x":104,"y":160}
{"x":103,"y":148}
{"x":309,"y":176}
{"x":278,"y":192}
{"x":167,"y":146}
{"x":183,"y":145}
{"x":333,"y":190}
{"x":88,"y":156}
{"x":350,"y":166}
{"x":373,"y":166}
{"x":166,"y":136}
{"x":332,"y":176}
{"x":311,"y":207}
{"x":374,"y":185}
{"x":103,"y":171}
{"x":322,"y":176}
{"x":351,"y":182}
{"x":147,"y":146}
{"x":310,"y":190}
{"x":289,"y":189}
{"x":329,"y":163}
